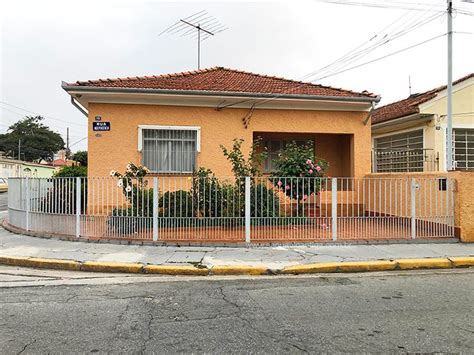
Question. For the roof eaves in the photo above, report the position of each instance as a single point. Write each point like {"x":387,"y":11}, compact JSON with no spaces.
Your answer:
{"x":68,"y":88}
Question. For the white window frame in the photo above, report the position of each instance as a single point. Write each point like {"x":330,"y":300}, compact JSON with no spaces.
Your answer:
{"x":175,"y":128}
{"x":402,"y":131}
{"x":197,"y":129}
{"x":444,"y":127}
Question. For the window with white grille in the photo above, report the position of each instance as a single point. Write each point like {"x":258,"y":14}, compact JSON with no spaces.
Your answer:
{"x":463,"y":146}
{"x":399,"y":152}
{"x":169,"y":150}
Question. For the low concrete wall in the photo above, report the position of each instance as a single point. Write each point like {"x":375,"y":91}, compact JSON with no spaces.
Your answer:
{"x":464,"y":204}
{"x":463,"y":198}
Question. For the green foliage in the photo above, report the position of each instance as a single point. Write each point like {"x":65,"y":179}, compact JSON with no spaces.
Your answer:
{"x":81,"y":157}
{"x":241,"y":166}
{"x":210,"y":197}
{"x":140,"y":211}
{"x":264,"y":202}
{"x":38,"y":142}
{"x":176,"y":204}
{"x":296,"y":162}
{"x":71,"y":171}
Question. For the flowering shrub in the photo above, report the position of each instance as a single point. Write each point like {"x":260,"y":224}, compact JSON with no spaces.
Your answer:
{"x":296,"y":162}
{"x":134,"y":187}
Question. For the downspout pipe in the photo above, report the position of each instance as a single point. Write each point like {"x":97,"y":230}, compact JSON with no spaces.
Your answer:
{"x":79,"y":107}
{"x":369,"y":116}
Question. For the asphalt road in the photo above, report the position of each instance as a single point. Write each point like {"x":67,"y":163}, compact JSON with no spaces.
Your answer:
{"x":3,"y":201}
{"x":58,"y":312}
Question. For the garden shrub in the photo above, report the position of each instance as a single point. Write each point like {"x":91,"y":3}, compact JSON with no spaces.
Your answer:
{"x":140,"y":198}
{"x":176,"y":204}
{"x":210,"y":197}
{"x":298,"y":172}
{"x":264,"y":202}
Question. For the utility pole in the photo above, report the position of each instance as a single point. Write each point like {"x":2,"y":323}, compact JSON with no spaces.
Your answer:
{"x":449,"y":137}
{"x":68,"y":153}
{"x":19,"y":149}
{"x":409,"y":85}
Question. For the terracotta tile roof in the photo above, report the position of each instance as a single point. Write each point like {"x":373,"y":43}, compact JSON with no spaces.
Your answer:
{"x":219,"y":79}
{"x":409,"y":105}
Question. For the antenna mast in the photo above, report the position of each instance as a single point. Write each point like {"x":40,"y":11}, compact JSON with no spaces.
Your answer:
{"x":198,"y":26}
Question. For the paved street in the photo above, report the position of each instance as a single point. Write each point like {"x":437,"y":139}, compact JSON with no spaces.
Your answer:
{"x":56,"y":311}
{"x":3,"y":201}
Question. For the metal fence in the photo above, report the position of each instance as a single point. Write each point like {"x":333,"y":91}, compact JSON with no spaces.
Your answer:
{"x":404,"y":160}
{"x":207,"y":209}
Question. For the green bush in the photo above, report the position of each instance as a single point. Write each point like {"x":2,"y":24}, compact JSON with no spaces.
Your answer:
{"x":294,"y":163}
{"x":176,"y":204}
{"x":71,"y":171}
{"x":264,"y":202}
{"x":206,"y":193}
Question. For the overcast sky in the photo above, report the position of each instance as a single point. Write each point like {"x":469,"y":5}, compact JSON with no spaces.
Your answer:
{"x":45,"y":42}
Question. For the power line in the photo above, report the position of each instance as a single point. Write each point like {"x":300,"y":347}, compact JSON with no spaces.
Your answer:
{"x":39,"y":114}
{"x":385,"y":56}
{"x":80,"y":140}
{"x":366,"y":63}
{"x":384,"y":5}
{"x":351,"y":57}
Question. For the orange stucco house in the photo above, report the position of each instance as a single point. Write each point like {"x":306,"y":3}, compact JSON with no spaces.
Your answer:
{"x":176,"y":123}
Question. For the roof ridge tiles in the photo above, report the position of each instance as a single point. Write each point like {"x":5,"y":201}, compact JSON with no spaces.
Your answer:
{"x":260,"y":83}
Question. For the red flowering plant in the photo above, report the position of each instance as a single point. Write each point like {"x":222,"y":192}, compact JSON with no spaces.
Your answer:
{"x":298,"y":171}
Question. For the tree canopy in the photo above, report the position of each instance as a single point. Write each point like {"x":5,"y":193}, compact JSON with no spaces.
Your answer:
{"x":81,"y":157}
{"x":37,"y":141}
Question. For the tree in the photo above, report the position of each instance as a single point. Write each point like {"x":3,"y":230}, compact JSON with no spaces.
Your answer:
{"x":81,"y":157}
{"x":71,"y":171}
{"x":34,"y":140}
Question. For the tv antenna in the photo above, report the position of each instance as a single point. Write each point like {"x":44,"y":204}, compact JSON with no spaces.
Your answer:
{"x":198,"y":26}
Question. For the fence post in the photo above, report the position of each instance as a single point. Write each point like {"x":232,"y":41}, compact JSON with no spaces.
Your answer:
{"x":334,"y":208}
{"x":247,"y":209}
{"x":27,"y":206}
{"x":413,"y":207}
{"x":78,"y":207}
{"x":155,"y":209}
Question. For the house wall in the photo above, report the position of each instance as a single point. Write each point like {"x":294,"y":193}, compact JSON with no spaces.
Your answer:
{"x":463,"y":202}
{"x":115,"y":148}
{"x":12,"y":168}
{"x":463,"y":117}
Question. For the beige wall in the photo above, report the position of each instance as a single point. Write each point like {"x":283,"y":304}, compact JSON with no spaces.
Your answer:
{"x":114,"y":149}
{"x":463,"y":116}
{"x":463,"y":198}
{"x":464,"y":204}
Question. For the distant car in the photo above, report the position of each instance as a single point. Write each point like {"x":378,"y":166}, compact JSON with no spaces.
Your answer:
{"x":3,"y":185}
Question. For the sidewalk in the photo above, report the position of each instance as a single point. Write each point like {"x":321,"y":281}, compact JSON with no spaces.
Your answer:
{"x":290,"y":259}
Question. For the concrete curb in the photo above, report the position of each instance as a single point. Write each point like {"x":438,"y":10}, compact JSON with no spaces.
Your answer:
{"x":342,"y":267}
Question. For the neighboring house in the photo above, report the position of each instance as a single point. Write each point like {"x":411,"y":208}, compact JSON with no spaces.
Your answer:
{"x":19,"y":168}
{"x":59,"y":163}
{"x":176,"y":123}
{"x":410,"y":135}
